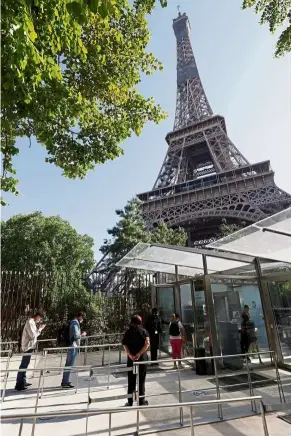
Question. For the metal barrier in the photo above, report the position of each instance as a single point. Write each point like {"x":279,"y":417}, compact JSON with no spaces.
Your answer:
{"x":85,"y":347}
{"x":113,"y":410}
{"x":42,"y":371}
{"x":214,"y":358}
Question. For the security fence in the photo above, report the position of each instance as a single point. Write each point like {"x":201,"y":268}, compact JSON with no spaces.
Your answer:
{"x":61,"y":296}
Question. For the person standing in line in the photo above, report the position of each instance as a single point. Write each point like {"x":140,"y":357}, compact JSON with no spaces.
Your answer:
{"x":28,"y":344}
{"x":154,"y":328}
{"x":244,"y":339}
{"x":136,"y":343}
{"x":74,"y":341}
{"x":176,"y":336}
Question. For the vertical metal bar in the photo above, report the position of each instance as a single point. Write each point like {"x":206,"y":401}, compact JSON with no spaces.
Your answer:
{"x":36,"y":402}
{"x":85,"y":352}
{"x":265,"y":427}
{"x":88,"y":394}
{"x":46,"y":355}
{"x":109,"y":367}
{"x":181,"y":413}
{"x":137,"y":384}
{"x":20,"y":428}
{"x":253,"y":403}
{"x":220,"y":411}
{"x":102,"y":359}
{"x":109,"y":424}
{"x":43,"y":384}
{"x":61,"y":361}
{"x":120,"y":354}
{"x":77,"y":372}
{"x":35,"y":359}
{"x":279,"y":382}
{"x":6,"y":375}
{"x":192,"y":422}
{"x":5,"y":385}
{"x":138,"y":421}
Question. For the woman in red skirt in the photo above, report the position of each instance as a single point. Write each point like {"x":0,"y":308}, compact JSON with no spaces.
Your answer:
{"x":176,"y":336}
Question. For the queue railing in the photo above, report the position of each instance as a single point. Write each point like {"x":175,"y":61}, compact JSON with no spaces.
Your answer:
{"x":110,"y":411}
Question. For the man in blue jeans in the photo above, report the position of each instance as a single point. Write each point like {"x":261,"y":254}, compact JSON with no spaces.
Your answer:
{"x":74,"y":341}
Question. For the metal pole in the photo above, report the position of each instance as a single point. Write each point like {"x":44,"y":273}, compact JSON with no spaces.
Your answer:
{"x":76,"y":390}
{"x":61,"y":361}
{"x":36,"y":403}
{"x":85,"y":354}
{"x":109,"y":367}
{"x":192,"y":422}
{"x":6,"y":376}
{"x":265,"y":427}
{"x":46,"y":355}
{"x":181,"y":413}
{"x":220,"y":411}
{"x":120,"y":354}
{"x":253,"y":403}
{"x":109,"y":424}
{"x":280,"y":386}
{"x":138,"y":422}
{"x":35,"y":360}
{"x":102,"y":360}
{"x":20,"y":428}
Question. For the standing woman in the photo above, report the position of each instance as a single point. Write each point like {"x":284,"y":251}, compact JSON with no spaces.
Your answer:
{"x":176,"y":336}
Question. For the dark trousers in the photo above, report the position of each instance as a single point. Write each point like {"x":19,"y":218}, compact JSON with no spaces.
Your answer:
{"x":132,"y":380}
{"x":244,"y":343}
{"x":154,"y":344}
{"x":21,"y":376}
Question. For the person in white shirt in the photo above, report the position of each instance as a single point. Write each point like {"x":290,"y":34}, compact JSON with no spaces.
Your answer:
{"x":176,"y":336}
{"x":28,"y":343}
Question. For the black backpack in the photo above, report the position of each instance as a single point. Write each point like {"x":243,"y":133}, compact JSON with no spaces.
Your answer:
{"x":174,"y":329}
{"x":63,"y":335}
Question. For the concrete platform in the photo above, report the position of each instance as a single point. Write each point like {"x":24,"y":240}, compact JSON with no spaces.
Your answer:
{"x":160,"y":388}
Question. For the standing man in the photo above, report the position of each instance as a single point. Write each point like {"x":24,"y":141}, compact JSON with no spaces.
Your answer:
{"x":28,"y":343}
{"x":74,"y":341}
{"x":154,"y":328}
{"x":136,"y":344}
{"x":244,"y":340}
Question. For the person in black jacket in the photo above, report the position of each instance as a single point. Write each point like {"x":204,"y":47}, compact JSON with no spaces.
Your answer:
{"x":136,"y":344}
{"x":154,"y":328}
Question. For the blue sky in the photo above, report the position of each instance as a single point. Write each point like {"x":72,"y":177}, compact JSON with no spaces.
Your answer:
{"x":243,"y":82}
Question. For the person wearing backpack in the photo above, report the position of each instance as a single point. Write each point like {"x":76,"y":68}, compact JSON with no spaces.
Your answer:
{"x":72,"y":336}
{"x":176,"y":336}
{"x":29,"y":337}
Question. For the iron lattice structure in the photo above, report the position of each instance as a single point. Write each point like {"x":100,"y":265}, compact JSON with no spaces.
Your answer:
{"x":204,"y":177}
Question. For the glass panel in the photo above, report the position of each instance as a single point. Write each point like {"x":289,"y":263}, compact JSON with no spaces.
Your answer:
{"x":187,"y":316}
{"x":201,"y":324}
{"x":165,"y":304}
{"x":229,"y":302}
{"x":280,"y":293}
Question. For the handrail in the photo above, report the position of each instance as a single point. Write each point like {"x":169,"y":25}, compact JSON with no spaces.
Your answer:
{"x":138,"y":409}
{"x":82,"y":347}
{"x":98,"y":411}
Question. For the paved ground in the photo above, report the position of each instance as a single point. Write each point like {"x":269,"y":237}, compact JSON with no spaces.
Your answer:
{"x":161,"y":388}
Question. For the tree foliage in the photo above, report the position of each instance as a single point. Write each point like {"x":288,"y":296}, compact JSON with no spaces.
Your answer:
{"x":34,"y":242}
{"x":130,"y":229}
{"x":226,"y":229}
{"x":275,"y":13}
{"x":70,"y":71}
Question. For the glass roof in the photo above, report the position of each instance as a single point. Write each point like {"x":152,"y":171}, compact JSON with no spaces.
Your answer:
{"x":164,"y":258}
{"x":261,"y":239}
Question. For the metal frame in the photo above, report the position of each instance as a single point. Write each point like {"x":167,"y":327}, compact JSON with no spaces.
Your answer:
{"x":110,"y":411}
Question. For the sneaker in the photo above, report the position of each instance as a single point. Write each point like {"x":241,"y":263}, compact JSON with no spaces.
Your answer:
{"x":67,"y":386}
{"x":180,"y":365}
{"x":27,"y":385}
{"x":128,"y":405}
{"x":20,"y":388}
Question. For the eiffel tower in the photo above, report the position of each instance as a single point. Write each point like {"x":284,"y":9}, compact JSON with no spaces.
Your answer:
{"x":204,"y":177}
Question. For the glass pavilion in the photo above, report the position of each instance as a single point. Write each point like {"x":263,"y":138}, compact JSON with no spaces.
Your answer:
{"x":210,"y":287}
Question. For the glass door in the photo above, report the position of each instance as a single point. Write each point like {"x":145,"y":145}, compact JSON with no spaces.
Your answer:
{"x":166,"y":307}
{"x":280,"y":295}
{"x":187,"y":316}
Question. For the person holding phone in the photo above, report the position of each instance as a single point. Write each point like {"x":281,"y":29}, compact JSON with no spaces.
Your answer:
{"x":28,"y":344}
